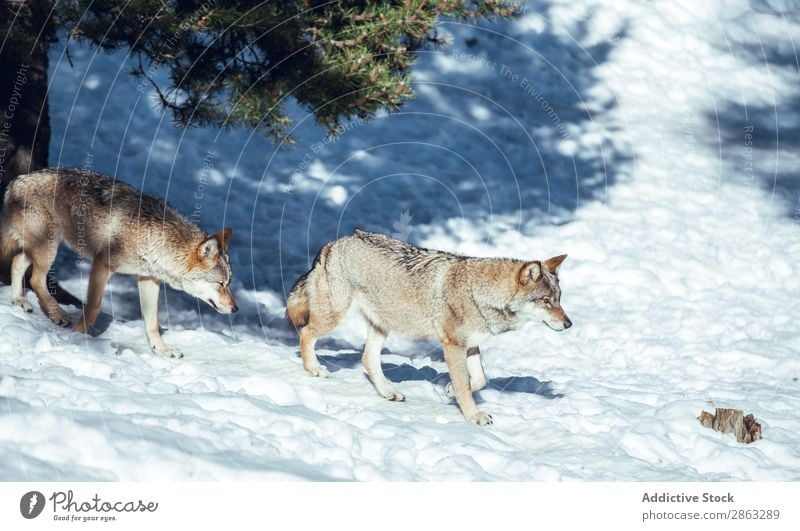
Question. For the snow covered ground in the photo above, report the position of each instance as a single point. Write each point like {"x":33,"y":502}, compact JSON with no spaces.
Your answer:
{"x":654,"y":142}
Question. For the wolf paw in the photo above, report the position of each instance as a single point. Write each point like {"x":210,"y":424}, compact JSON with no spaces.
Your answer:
{"x":480,"y":418}
{"x":60,"y":317}
{"x":394,"y":396}
{"x":23,"y":303}
{"x":81,"y":327}
{"x":168,"y":351}
{"x":318,"y":372}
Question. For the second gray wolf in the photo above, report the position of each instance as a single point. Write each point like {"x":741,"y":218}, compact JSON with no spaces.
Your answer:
{"x":422,"y":293}
{"x":122,"y":231}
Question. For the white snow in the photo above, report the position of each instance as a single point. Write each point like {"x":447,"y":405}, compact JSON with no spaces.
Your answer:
{"x":615,"y":132}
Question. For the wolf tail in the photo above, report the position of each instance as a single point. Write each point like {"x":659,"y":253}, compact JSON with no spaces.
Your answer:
{"x":298,"y":308}
{"x":9,"y":246}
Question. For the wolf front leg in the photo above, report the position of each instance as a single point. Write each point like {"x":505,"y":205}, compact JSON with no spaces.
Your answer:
{"x":148,"y":299}
{"x":456,"y":358}
{"x":477,"y":378}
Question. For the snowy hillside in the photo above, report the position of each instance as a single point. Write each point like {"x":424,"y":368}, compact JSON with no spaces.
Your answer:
{"x":656,"y":143}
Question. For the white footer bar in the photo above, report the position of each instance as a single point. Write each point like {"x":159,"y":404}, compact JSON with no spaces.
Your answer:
{"x":390,"y":506}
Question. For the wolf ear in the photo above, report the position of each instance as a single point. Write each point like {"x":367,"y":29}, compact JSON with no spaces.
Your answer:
{"x":209,"y":248}
{"x":224,"y":238}
{"x":530,"y":272}
{"x":552,"y":264}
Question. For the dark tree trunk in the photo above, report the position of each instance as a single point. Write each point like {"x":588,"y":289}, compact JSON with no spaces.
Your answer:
{"x":24,"y":112}
{"x":25,"y":120}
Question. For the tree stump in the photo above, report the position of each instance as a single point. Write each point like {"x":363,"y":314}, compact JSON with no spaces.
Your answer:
{"x":733,"y":421}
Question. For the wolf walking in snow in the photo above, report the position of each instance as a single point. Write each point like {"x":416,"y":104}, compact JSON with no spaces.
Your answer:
{"x":122,"y":231}
{"x":421,"y":293}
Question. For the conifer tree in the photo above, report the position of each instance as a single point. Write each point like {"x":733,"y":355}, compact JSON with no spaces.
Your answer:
{"x":233,"y":62}
{"x":223,"y":63}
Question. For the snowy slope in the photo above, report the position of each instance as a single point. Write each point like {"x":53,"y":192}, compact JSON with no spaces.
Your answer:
{"x":616,"y":132}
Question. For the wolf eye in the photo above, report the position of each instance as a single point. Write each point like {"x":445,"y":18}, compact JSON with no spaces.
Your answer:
{"x":546,"y":300}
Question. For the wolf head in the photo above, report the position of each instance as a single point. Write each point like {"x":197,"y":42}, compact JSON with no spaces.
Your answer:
{"x":209,"y":275}
{"x":538,"y":296}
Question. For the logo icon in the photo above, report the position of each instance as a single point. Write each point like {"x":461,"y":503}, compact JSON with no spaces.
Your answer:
{"x":402,"y":226}
{"x":31,"y":504}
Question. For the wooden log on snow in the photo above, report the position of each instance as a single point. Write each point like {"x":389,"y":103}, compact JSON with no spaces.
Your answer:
{"x":733,"y":421}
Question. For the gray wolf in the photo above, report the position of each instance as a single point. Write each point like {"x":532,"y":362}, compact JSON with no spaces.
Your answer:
{"x":122,"y":231}
{"x":421,"y":293}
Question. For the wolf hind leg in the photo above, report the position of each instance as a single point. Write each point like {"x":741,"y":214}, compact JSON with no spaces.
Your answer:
{"x":324,"y":308}
{"x":372,"y":364}
{"x":19,"y":265}
{"x":317,"y":327}
{"x":477,"y":378}
{"x":98,"y":278}
{"x":42,"y":258}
